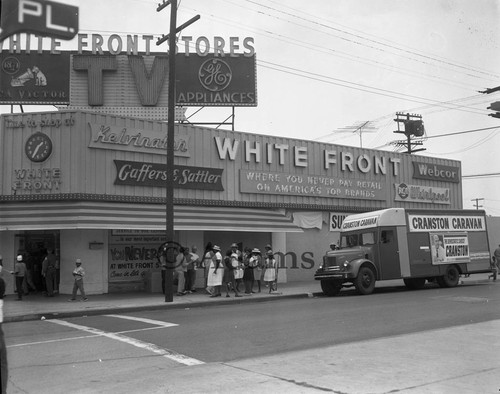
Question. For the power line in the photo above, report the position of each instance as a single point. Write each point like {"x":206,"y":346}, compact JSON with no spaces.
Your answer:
{"x":491,"y":174}
{"x":463,"y":132}
{"x":357,"y":36}
{"x":356,"y":86}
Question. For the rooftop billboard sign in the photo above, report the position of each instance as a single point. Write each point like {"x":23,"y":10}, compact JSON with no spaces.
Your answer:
{"x":124,"y":77}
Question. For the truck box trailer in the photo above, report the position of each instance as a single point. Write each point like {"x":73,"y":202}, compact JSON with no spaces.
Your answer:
{"x":415,"y":245}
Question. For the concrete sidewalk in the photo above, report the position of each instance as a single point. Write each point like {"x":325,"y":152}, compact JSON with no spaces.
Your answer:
{"x":36,"y":306}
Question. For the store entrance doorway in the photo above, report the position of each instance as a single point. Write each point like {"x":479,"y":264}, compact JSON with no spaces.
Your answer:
{"x":33,"y":245}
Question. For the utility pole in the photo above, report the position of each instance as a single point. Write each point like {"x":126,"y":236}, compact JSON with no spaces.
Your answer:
{"x":477,"y":202}
{"x":413,"y":126}
{"x":169,"y":250}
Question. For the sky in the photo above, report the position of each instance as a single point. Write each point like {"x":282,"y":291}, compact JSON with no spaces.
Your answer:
{"x":326,"y":66}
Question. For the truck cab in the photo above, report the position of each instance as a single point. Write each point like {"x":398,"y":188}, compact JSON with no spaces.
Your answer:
{"x":399,"y":243}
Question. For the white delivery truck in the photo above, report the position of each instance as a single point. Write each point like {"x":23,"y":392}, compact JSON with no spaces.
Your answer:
{"x":415,"y":245}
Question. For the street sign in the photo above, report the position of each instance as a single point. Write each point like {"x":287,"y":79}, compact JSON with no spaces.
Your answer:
{"x":41,"y":17}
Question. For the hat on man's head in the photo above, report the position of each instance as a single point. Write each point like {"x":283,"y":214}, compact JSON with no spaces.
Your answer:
{"x":215,"y":247}
{"x":268,"y":246}
{"x":255,"y":250}
{"x":19,"y":257}
{"x":234,"y":245}
{"x":78,"y":261}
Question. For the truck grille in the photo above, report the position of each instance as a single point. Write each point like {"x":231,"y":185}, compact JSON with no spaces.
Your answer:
{"x":330,"y":262}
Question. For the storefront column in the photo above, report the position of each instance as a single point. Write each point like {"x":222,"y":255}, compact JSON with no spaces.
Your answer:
{"x":278,"y":241}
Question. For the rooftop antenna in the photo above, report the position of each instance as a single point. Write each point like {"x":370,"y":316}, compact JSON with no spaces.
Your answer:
{"x":361,"y":126}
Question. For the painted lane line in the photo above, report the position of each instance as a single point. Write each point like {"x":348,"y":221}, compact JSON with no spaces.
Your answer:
{"x":143,"y":320}
{"x":82,"y":337}
{"x":51,"y":341}
{"x":170,"y":354}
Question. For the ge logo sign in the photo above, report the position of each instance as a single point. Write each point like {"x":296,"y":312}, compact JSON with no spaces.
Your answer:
{"x":215,"y":75}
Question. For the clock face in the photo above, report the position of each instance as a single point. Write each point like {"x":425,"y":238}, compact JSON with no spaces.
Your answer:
{"x":38,"y":147}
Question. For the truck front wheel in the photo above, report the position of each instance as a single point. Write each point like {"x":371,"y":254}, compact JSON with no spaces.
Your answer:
{"x":330,"y":288}
{"x":365,"y":281}
{"x":450,"y":277}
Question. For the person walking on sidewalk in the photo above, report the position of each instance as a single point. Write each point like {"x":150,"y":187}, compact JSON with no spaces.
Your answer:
{"x":495,"y":263}
{"x":19,"y":273}
{"x":78,"y":274}
{"x":49,"y":272}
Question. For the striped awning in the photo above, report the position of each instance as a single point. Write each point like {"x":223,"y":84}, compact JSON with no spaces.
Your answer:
{"x":109,"y":215}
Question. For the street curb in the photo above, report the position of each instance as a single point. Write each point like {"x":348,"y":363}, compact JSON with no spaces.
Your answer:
{"x":139,"y":308}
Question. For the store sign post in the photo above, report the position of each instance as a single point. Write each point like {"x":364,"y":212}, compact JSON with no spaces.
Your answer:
{"x":41,"y":17}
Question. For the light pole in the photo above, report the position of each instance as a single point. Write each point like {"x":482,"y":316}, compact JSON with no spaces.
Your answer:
{"x":169,"y":254}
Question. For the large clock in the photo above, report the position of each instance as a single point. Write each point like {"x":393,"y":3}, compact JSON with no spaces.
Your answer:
{"x":38,"y":147}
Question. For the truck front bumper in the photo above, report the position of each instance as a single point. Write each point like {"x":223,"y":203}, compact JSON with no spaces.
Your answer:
{"x":337,"y":276}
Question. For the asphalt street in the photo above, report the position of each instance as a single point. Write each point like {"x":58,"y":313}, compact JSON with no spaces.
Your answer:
{"x":430,"y":341}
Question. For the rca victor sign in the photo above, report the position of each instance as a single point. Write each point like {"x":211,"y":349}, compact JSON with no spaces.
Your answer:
{"x":36,"y":78}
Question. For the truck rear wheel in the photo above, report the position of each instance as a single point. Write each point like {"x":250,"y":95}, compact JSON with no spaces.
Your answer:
{"x":450,"y":277}
{"x":330,"y":288}
{"x":414,"y":283}
{"x":365,"y":281}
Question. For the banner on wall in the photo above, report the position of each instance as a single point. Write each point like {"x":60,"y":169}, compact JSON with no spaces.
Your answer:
{"x":336,"y":220}
{"x":132,"y":254}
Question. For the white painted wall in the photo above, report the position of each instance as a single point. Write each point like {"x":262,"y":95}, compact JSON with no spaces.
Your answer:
{"x":75,"y":244}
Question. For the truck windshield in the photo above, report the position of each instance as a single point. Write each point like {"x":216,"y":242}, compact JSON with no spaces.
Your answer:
{"x":350,"y":240}
{"x":368,"y":238}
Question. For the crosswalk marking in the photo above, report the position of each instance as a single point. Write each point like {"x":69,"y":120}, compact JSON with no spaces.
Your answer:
{"x":170,"y":354}
{"x":143,"y":320}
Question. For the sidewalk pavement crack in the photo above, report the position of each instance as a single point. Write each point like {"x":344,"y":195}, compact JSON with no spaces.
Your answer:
{"x":292,"y":381}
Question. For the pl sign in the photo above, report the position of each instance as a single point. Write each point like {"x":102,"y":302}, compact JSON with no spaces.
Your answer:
{"x":40,"y":17}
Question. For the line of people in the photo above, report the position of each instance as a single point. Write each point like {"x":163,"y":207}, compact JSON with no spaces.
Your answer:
{"x":236,"y":267}
{"x":234,"y":270}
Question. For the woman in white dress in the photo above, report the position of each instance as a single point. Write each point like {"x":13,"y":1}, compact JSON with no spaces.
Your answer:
{"x":216,"y":272}
{"x":270,"y":273}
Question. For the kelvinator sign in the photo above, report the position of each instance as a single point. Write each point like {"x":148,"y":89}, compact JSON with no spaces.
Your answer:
{"x":114,"y":73}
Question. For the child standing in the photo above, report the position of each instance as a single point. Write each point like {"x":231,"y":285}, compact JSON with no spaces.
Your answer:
{"x":78,"y":274}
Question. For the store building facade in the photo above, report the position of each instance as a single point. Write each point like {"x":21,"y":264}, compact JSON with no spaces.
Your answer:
{"x":92,"y":186}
